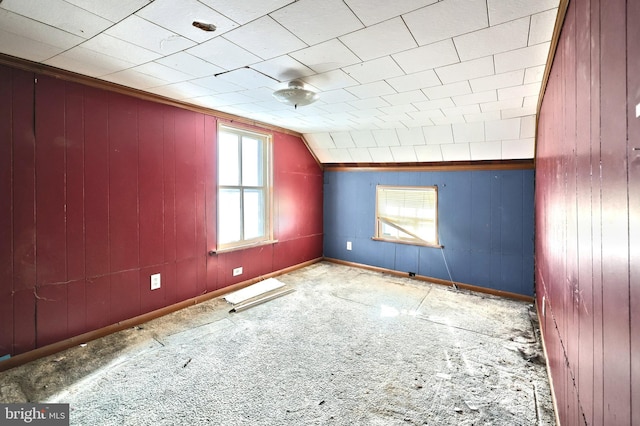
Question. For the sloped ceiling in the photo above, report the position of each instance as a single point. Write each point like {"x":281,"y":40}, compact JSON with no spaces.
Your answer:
{"x":399,"y":81}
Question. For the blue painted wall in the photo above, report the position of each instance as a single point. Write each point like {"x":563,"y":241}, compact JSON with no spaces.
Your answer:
{"x":486,"y":224}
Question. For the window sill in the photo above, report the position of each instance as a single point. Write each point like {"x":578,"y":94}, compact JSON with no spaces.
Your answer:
{"x":242,"y":247}
{"x":411,"y":243}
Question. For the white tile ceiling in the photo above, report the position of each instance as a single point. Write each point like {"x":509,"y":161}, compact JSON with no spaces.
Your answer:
{"x":405,"y":81}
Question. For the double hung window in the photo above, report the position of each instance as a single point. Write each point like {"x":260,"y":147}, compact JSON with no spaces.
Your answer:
{"x":244,"y":188}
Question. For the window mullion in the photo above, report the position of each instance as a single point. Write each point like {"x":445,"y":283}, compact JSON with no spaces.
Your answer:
{"x":241,"y":189}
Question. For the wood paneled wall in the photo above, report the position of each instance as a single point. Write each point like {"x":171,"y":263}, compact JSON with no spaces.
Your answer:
{"x":588,"y":215}
{"x":100,"y":190}
{"x":485,"y":223}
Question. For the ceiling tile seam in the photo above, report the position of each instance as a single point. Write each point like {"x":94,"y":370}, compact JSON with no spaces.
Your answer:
{"x":84,"y":40}
{"x":474,"y":93}
{"x":275,"y":10}
{"x":142,"y":47}
{"x":349,"y":49}
{"x":354,"y":14}
{"x":222,"y":36}
{"x":252,"y":20}
{"x":425,"y":93}
{"x":410,"y":32}
{"x":157,"y":25}
{"x":451,"y":38}
{"x":261,"y":73}
{"x":486,"y":8}
{"x":279,"y":24}
{"x":462,"y":62}
{"x":290,"y":32}
{"x":493,"y":61}
{"x":529,"y":33}
{"x":166,"y":82}
{"x":57,"y":54}
{"x":529,"y":15}
{"x":52,"y":27}
{"x":149,"y":62}
{"x":515,"y":50}
{"x":396,"y":160}
{"x":555,"y":10}
{"x":374,"y":25}
{"x":60,"y":29}
{"x":135,"y":13}
{"x":119,"y":59}
{"x":369,"y":97}
{"x":317,"y":44}
{"x":438,"y":77}
{"x":460,"y":36}
{"x":403,"y":71}
{"x":234,"y":69}
{"x":390,"y":54}
{"x":418,"y":8}
{"x":418,"y":47}
{"x":401,"y":15}
{"x":104,"y":31}
{"x":190,"y":80}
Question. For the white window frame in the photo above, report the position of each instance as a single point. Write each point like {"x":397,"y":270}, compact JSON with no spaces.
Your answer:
{"x":266,"y":188}
{"x":407,"y":211}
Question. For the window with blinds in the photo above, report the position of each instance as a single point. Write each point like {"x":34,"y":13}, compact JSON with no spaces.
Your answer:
{"x":407,"y":214}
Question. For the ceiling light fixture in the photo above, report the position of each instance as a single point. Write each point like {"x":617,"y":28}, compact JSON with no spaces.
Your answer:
{"x":295,"y":94}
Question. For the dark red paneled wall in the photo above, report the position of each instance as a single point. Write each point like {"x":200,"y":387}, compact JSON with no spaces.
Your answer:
{"x":100,"y":190}
{"x":588,"y":215}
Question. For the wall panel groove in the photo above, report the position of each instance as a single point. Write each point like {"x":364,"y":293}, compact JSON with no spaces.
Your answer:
{"x":6,"y":211}
{"x":633,"y":152}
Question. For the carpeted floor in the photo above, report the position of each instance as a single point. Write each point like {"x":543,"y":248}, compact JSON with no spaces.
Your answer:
{"x":347,"y":347}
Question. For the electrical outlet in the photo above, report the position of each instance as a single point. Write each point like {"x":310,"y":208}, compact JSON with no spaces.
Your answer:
{"x":348,"y":245}
{"x":155,"y":281}
{"x":237,"y":271}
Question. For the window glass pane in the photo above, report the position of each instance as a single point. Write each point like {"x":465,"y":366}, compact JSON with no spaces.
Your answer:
{"x":229,"y":216}
{"x":254,"y":217}
{"x":228,"y":164}
{"x":251,"y":162}
{"x":407,"y":214}
{"x":389,"y":231}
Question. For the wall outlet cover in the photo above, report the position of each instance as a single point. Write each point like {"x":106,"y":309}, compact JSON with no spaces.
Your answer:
{"x":155,"y":281}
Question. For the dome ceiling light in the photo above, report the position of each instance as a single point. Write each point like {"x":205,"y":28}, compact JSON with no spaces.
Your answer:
{"x":295,"y":94}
